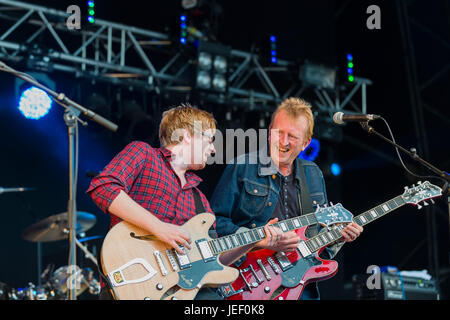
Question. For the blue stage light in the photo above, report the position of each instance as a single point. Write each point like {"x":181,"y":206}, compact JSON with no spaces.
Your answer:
{"x":34,"y":103}
{"x":183,"y":18}
{"x":335,"y":169}
{"x":312,"y":151}
{"x":273,"y":38}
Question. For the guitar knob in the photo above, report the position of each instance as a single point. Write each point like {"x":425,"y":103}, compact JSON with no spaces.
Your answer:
{"x":266,"y":289}
{"x":159,"y":286}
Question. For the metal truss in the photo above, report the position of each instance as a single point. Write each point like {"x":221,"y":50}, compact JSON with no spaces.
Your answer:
{"x":134,"y":56}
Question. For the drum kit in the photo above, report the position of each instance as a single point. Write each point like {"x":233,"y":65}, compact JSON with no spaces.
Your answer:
{"x":59,"y":282}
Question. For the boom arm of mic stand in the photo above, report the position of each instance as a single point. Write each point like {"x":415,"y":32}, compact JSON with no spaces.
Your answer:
{"x":413,"y":153}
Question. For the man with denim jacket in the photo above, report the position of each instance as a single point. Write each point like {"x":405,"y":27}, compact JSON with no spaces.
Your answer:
{"x":259,"y":188}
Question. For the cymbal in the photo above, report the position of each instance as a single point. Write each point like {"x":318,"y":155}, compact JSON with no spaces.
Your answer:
{"x":56,"y":227}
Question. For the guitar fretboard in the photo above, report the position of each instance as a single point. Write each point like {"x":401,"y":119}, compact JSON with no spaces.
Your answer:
{"x":323,"y":239}
{"x":240,"y":239}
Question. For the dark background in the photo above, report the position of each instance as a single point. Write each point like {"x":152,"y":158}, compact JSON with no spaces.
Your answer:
{"x":35,"y":153}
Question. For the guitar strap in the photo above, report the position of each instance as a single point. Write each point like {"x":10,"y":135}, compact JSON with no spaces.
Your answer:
{"x":305,"y":201}
{"x":199,"y":208}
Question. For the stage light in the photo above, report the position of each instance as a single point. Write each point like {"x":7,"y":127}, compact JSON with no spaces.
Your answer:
{"x":34,"y":103}
{"x":350,"y":66}
{"x":91,"y":11}
{"x":273,"y":49}
{"x":203,"y":80}
{"x":204,"y":61}
{"x":183,"y":29}
{"x":220,"y":64}
{"x":212,"y":66}
{"x":219,"y":82}
{"x":312,"y":151}
{"x":335,"y":169}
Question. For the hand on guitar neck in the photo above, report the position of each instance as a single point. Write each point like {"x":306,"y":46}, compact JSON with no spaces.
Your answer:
{"x":278,"y":241}
{"x":351,"y":232}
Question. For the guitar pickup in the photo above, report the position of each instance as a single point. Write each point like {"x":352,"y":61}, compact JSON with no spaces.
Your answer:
{"x":283,"y":261}
{"x":205,"y":250}
{"x":183,"y":259}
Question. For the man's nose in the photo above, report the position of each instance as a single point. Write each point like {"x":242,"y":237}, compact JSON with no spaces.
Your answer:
{"x":284,"y":139}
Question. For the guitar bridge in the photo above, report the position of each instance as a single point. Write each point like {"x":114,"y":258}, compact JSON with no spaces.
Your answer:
{"x":283,"y":261}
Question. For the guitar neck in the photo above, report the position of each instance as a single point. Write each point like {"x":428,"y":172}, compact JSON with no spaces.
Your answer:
{"x":240,"y":239}
{"x":323,"y":239}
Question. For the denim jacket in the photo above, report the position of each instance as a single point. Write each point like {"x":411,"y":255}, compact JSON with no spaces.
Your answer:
{"x":247,"y":194}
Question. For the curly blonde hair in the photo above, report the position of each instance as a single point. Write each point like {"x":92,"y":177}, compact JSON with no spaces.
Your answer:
{"x":186,"y":117}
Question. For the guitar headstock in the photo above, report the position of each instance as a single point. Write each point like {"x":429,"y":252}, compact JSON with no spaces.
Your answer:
{"x":334,"y":214}
{"x":423,"y":191}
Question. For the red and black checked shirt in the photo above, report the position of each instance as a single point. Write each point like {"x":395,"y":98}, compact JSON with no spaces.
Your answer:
{"x":145,"y":174}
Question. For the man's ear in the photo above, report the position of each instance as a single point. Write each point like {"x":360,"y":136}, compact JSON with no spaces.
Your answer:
{"x":306,"y":144}
{"x":187,"y":137}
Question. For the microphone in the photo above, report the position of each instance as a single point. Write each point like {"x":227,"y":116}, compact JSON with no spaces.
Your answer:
{"x":340,"y":117}
{"x":2,"y":190}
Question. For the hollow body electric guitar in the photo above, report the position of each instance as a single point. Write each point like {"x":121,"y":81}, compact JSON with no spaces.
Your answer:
{"x":269,"y":275}
{"x":138,"y":266}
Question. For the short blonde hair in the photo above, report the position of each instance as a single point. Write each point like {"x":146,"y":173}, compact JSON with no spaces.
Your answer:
{"x":183,"y":117}
{"x":296,"y":107}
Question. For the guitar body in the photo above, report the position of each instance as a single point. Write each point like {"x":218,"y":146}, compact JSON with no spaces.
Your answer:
{"x":128,"y":259}
{"x":284,"y":285}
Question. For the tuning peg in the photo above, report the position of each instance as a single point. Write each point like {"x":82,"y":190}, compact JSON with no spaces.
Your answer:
{"x":420,"y":182}
{"x":419,"y":207}
{"x":331,"y":203}
{"x":425,"y":203}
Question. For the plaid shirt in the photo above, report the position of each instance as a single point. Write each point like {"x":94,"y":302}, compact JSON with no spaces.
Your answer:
{"x":146,"y":175}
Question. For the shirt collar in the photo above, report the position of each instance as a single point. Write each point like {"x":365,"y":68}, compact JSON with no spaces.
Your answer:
{"x":192,"y":180}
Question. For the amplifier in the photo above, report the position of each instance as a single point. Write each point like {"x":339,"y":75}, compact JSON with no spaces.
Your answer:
{"x":395,"y":287}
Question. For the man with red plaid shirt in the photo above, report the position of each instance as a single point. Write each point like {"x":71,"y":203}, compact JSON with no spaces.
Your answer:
{"x":153,"y":188}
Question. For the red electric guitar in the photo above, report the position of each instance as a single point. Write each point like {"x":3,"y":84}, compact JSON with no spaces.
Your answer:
{"x":269,"y":275}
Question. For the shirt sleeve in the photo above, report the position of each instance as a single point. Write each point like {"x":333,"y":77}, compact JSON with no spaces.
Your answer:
{"x":119,"y":174}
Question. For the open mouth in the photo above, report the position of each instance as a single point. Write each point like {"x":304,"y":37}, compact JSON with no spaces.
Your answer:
{"x":283,"y":150}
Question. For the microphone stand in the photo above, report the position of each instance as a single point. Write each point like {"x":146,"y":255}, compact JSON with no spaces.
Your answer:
{"x":413,"y":154}
{"x":72,"y":111}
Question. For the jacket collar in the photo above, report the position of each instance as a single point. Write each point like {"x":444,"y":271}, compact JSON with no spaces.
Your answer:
{"x":271,"y":169}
